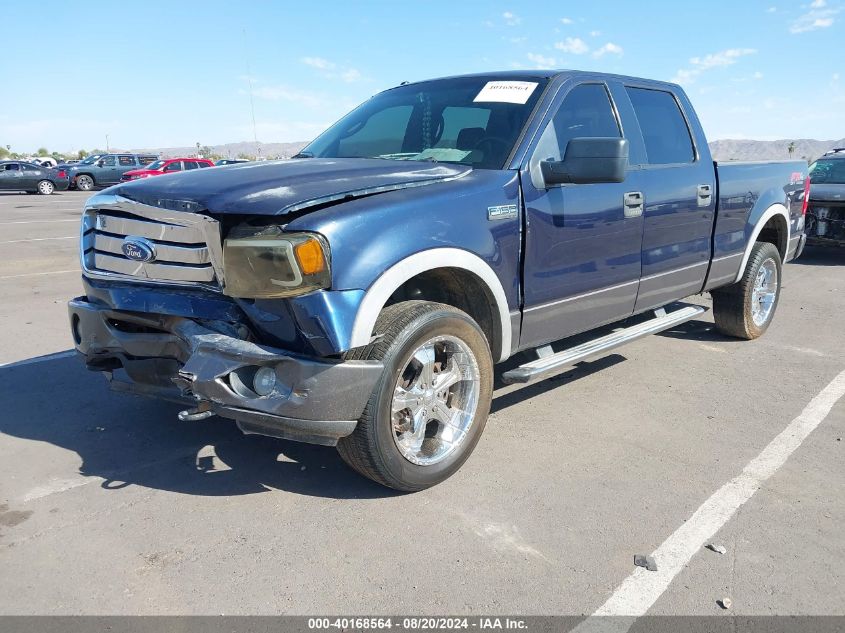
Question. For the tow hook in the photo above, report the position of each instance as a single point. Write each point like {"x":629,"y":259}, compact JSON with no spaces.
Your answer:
{"x":200,"y":412}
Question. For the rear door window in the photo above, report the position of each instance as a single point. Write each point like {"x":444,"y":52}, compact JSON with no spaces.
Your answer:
{"x":665,"y":132}
{"x":13,"y":167}
{"x":190,"y":164}
{"x":126,"y":161}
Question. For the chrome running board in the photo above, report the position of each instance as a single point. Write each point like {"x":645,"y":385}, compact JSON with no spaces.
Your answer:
{"x":548,"y":366}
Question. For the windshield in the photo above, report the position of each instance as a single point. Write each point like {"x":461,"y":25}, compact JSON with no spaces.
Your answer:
{"x":467,"y":120}
{"x":91,"y":159}
{"x":828,"y":170}
{"x":156,"y":165}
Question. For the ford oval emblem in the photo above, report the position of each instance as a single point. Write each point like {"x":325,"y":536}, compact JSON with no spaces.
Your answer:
{"x":138,"y":249}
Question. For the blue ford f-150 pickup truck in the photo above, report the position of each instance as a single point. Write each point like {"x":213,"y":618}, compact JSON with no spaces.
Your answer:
{"x":359,"y":294}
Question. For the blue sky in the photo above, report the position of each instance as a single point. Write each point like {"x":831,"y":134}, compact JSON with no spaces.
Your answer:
{"x":155,"y":74}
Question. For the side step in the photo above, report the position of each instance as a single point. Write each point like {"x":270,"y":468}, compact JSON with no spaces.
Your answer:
{"x":555,"y":363}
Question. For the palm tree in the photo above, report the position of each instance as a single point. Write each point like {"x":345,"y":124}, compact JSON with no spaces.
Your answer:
{"x":791,"y":148}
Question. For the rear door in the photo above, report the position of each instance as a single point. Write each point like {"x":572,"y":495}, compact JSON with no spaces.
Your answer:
{"x":582,"y":245}
{"x":125,"y":162}
{"x":30,"y":176}
{"x":678,"y":183}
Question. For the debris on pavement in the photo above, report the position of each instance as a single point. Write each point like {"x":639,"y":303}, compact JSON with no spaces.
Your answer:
{"x":645,"y":561}
{"x":719,"y":549}
{"x":725,"y":603}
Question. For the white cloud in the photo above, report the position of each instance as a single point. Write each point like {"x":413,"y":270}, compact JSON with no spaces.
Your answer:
{"x":818,"y":17}
{"x":609,"y":48}
{"x":595,"y":33}
{"x":699,"y":65}
{"x":541,"y":61}
{"x":318,"y":62}
{"x":331,"y":70}
{"x":574,"y":45}
{"x":757,"y":75}
{"x":511,"y":19}
{"x":772,"y":10}
{"x":567,"y":21}
{"x":835,"y":77}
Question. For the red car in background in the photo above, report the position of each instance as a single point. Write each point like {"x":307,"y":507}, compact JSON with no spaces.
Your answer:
{"x":167,"y":166}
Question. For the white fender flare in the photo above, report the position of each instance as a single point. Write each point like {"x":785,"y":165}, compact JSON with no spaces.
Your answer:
{"x":378,"y":294}
{"x":772,"y":211}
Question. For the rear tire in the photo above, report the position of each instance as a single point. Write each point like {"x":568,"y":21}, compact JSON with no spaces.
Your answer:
{"x":429,"y":408}
{"x":46,"y":188}
{"x":746,"y":309}
{"x":84,"y":182}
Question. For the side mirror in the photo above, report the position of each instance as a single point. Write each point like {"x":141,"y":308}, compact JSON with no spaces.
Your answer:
{"x":587,"y":161}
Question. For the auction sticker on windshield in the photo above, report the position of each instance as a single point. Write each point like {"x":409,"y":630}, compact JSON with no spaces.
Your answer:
{"x":506,"y":92}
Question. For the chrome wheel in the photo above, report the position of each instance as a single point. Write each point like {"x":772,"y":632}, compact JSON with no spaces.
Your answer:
{"x":84,"y":183}
{"x":765,"y":292}
{"x":45,"y":187}
{"x":435,"y":400}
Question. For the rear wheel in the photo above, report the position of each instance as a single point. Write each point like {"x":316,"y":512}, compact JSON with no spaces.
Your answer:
{"x":84,"y":182}
{"x":45,"y":188}
{"x":746,"y":308}
{"x":428,"y":410}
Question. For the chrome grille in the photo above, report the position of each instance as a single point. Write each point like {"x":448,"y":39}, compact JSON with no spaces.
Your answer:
{"x":187,"y":245}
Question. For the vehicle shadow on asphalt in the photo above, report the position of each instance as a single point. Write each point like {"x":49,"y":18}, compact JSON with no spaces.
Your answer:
{"x":821,"y":256}
{"x":129,"y":440}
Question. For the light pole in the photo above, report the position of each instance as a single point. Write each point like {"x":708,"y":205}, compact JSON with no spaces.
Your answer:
{"x":198,"y":151}
{"x":107,"y":144}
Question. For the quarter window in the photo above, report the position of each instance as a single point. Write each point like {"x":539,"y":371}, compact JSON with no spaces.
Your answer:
{"x":665,"y":132}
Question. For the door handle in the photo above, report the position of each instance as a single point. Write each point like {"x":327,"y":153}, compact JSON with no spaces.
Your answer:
{"x":634,"y":203}
{"x":704,"y":195}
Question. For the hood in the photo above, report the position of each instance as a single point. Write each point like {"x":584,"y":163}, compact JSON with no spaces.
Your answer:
{"x":139,"y":172}
{"x":827,"y":192}
{"x":281,"y":187}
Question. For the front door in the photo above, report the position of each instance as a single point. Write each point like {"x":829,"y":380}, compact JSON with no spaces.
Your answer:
{"x":582,"y":246}
{"x":10,"y":176}
{"x":107,"y":170}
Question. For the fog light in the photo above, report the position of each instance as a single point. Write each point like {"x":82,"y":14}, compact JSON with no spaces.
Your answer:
{"x":264,"y":381}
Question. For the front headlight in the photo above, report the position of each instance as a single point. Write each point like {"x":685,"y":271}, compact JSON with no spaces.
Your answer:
{"x":269,"y":263}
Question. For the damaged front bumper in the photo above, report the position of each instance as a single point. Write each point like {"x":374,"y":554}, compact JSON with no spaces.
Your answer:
{"x":211,"y":366}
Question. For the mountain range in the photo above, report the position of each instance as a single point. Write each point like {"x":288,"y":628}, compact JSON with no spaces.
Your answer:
{"x":723,"y":150}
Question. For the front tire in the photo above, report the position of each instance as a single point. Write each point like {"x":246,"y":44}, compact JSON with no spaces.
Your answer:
{"x":84,"y":182}
{"x":46,"y":188}
{"x":428,"y":410}
{"x":746,"y":309}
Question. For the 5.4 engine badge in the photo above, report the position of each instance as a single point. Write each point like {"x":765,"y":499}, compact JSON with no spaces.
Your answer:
{"x":504,"y":212}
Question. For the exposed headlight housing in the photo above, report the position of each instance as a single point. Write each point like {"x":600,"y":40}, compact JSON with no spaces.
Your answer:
{"x":268,"y":263}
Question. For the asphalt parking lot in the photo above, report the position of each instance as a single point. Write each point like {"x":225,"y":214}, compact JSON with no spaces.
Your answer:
{"x":109,"y":505}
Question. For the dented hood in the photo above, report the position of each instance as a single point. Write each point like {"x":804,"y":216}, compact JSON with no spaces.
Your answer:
{"x":281,"y":187}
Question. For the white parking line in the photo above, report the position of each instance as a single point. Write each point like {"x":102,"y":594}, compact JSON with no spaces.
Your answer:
{"x":639,"y":591}
{"x":52,"y":272}
{"x":40,"y":359}
{"x":41,"y":239}
{"x":39,"y":221}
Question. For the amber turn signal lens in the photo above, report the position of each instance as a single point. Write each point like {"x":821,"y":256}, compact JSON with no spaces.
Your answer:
{"x":310,"y":256}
